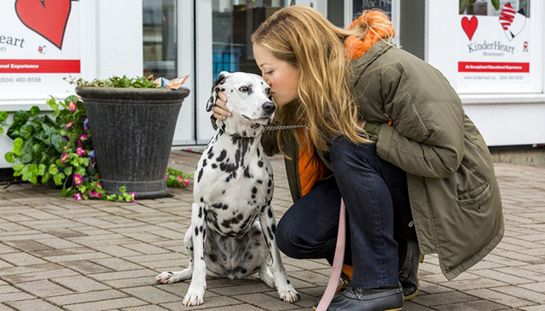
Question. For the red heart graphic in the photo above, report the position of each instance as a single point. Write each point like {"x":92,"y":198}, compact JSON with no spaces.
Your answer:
{"x":470,"y":25}
{"x":48,"y":18}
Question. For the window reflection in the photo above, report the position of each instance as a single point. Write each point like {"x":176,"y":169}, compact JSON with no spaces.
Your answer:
{"x":233,"y":24}
{"x":160,"y":38}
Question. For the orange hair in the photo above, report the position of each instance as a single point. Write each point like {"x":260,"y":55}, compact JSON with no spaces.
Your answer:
{"x":370,"y":26}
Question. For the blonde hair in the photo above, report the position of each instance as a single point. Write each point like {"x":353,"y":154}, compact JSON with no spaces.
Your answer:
{"x":301,"y":36}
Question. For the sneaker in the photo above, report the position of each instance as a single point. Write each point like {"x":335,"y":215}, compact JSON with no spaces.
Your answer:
{"x":344,"y":282}
{"x":360,"y":299}
{"x":408,"y":275}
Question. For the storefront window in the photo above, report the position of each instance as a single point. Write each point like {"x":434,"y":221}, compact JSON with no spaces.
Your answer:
{"x":359,"y":6}
{"x":160,"y":38}
{"x":233,"y":24}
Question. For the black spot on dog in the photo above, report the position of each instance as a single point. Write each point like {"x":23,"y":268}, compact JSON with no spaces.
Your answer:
{"x":269,"y":184}
{"x":202,"y":200}
{"x":214,"y":165}
{"x":200,"y":212}
{"x":200,"y":175}
{"x":273,"y":228}
{"x":244,"y":134}
{"x":213,"y":257}
{"x":269,"y":212}
{"x":204,"y":163}
{"x":259,"y":181}
{"x":271,"y":235}
{"x":247,"y":172}
{"x":196,"y":231}
{"x":220,"y":206}
{"x":200,"y":228}
{"x":210,"y":153}
{"x":260,"y":163}
{"x":222,"y":156}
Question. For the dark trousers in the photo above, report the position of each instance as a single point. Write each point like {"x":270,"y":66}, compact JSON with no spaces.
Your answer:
{"x":376,"y":198}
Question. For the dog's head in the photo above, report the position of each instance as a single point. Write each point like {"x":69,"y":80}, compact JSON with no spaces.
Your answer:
{"x":248,"y":98}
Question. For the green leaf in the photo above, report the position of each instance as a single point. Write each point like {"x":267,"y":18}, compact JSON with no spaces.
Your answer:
{"x":57,"y":179}
{"x":41,"y":169}
{"x":34,"y":111}
{"x":68,"y":171}
{"x":18,"y":144}
{"x":10,"y":157}
{"x":18,"y":167}
{"x":53,"y":169}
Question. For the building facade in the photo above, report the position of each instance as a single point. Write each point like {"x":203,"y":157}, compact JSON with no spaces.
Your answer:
{"x":490,"y":51}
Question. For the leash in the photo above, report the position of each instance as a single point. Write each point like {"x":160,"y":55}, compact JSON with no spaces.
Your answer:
{"x":338,"y":260}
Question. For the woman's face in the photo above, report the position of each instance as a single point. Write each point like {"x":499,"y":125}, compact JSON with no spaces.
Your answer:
{"x":282,"y":76}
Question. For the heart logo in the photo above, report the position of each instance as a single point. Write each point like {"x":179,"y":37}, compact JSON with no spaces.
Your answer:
{"x":48,"y":18}
{"x":469,"y":26}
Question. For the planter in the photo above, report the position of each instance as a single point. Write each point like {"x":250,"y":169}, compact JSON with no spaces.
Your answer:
{"x":132,"y":131}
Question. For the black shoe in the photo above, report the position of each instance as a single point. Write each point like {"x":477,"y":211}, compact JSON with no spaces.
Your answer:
{"x":408,"y":275}
{"x":360,"y":299}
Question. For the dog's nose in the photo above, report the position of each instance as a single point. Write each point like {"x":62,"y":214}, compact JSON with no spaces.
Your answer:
{"x":268,"y":107}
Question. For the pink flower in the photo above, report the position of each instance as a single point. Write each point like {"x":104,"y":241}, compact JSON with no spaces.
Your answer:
{"x":83,"y":137}
{"x":179,"y":179}
{"x":95,"y":194}
{"x":64,"y":157}
{"x":80,"y":151}
{"x":78,"y":196}
{"x":77,"y":179}
{"x":69,"y":124}
{"x":133,"y":195}
{"x":186,"y":182}
{"x":72,"y":106}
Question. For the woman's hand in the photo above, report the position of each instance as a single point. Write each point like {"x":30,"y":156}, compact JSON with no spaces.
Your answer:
{"x":220,"y":110}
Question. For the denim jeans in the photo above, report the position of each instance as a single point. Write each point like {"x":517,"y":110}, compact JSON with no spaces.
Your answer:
{"x":376,"y":198}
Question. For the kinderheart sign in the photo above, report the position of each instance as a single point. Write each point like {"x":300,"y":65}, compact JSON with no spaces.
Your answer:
{"x":495,"y":46}
{"x":39,"y":46}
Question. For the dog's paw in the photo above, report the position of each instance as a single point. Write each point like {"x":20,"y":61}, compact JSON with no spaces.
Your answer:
{"x":288,"y":293}
{"x":194,"y":296}
{"x":165,"y":277}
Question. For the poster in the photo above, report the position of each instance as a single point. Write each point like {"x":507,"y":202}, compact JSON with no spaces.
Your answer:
{"x":39,"y":46}
{"x":494,"y":46}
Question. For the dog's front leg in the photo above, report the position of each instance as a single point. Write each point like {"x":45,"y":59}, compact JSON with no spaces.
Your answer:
{"x":283,"y":285}
{"x":195,"y":292}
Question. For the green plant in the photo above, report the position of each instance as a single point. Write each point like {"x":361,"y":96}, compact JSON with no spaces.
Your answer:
{"x":117,"y":82}
{"x":3,"y":118}
{"x":57,"y":149}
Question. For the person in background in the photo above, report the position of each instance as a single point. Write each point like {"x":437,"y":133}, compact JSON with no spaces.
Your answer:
{"x":386,"y":132}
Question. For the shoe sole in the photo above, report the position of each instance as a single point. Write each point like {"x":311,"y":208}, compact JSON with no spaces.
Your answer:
{"x":395,"y":309}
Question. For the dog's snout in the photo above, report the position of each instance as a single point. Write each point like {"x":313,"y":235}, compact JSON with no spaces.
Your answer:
{"x":268,"y":107}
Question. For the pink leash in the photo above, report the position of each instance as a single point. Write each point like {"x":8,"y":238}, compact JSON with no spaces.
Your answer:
{"x":337,"y":263}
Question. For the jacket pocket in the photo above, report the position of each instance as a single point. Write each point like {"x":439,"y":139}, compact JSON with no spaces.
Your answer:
{"x":472,"y":186}
{"x":475,"y":198}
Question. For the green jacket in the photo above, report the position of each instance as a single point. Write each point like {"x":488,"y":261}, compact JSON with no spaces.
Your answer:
{"x":454,"y":196}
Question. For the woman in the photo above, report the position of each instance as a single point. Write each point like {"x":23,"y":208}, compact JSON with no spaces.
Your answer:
{"x":385,"y":131}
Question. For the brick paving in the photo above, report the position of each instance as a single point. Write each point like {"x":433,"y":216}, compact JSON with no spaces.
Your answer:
{"x":59,"y":254}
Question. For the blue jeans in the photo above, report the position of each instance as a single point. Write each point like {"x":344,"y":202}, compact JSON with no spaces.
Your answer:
{"x":376,"y":198}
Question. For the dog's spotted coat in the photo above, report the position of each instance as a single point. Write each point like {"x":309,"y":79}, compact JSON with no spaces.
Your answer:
{"x":232,"y":222}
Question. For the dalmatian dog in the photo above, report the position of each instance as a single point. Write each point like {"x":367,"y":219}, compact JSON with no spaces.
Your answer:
{"x":232,"y":223}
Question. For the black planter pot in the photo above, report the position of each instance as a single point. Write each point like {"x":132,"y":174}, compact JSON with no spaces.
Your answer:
{"x":132,"y":132}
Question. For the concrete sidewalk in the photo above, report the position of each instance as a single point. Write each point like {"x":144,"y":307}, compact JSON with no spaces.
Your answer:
{"x":59,"y":254}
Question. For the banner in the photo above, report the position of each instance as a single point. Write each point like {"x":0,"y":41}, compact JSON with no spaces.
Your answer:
{"x":39,"y":46}
{"x":494,"y":46}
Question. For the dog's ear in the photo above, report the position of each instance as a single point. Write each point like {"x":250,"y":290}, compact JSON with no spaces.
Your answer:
{"x":216,"y":87}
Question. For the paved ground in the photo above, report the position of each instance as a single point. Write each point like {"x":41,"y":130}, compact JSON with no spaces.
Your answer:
{"x":58,"y":254}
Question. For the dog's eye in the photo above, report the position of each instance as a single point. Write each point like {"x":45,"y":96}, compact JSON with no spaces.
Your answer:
{"x":244,"y":89}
